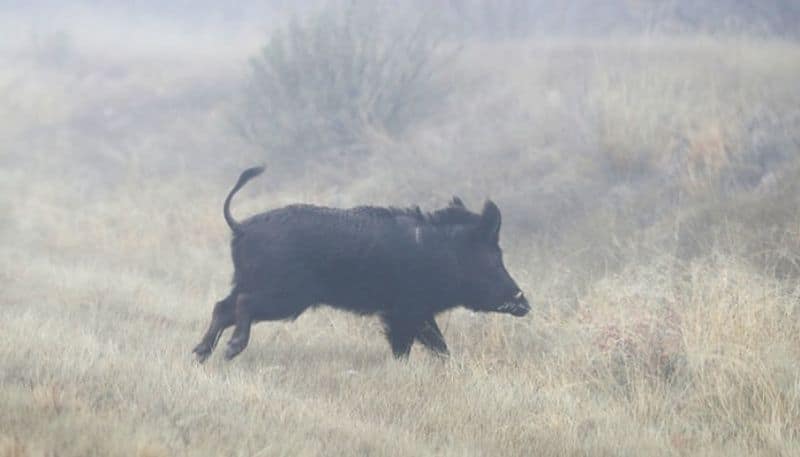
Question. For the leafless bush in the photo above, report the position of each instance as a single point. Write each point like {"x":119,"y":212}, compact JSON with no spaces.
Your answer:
{"x":325,"y":84}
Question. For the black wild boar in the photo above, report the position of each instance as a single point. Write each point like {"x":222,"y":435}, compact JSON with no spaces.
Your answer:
{"x":401,"y":264}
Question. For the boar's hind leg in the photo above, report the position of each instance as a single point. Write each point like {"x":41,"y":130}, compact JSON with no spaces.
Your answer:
{"x":243,"y":319}
{"x":261,"y":306}
{"x":221,"y":318}
{"x":431,"y":337}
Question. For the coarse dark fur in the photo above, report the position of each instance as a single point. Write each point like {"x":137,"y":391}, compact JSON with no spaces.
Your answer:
{"x":402,"y":264}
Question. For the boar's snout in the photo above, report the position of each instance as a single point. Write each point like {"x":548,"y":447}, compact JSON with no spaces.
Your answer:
{"x":517,"y":306}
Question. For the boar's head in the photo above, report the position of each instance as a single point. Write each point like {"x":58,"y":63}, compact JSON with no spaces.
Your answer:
{"x":485,"y":282}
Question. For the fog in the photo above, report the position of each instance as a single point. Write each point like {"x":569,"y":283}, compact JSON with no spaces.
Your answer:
{"x":553,"y":110}
{"x":645,"y":156}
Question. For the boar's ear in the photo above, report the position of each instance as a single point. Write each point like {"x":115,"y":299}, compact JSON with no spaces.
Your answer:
{"x":489,"y":225}
{"x":457,"y":203}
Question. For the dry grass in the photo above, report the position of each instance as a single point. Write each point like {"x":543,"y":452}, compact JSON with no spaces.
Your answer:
{"x":99,"y":322}
{"x":106,"y":284}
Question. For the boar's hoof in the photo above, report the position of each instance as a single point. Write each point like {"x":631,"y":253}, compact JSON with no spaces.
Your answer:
{"x":202,"y":351}
{"x":234,"y":348}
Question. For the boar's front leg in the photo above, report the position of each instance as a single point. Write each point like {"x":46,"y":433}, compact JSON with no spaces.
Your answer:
{"x":431,"y":337}
{"x":400,"y":331}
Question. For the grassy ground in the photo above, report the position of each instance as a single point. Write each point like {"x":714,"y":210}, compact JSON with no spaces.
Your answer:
{"x":672,"y":335}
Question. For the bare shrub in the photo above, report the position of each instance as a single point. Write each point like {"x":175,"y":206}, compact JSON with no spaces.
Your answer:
{"x":635,"y":327}
{"x":325,"y":84}
{"x":647,"y":342}
{"x":703,"y":130}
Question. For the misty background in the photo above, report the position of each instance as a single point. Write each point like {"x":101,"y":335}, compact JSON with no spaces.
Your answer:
{"x":599,"y":127}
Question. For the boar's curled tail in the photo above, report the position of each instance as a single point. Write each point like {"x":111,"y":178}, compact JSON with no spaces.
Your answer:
{"x":246,"y":175}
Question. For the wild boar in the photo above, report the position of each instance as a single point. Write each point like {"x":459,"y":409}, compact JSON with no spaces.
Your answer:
{"x":403,"y":265}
